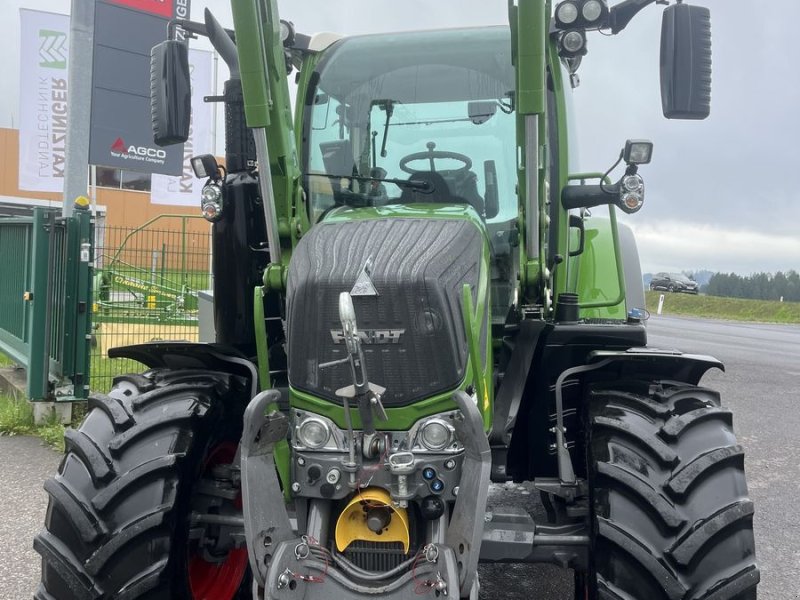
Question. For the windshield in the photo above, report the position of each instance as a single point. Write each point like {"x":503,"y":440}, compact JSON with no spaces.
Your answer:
{"x":415,"y":117}
{"x":680,"y":277}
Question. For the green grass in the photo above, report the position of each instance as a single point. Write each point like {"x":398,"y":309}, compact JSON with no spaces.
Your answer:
{"x":5,"y":361}
{"x":16,"y":418}
{"x":734,"y":309}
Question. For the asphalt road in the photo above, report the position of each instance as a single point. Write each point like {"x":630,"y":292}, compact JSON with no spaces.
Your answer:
{"x":24,"y":465}
{"x":761,"y":386}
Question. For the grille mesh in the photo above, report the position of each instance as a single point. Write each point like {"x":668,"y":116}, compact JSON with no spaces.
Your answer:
{"x":377,"y":557}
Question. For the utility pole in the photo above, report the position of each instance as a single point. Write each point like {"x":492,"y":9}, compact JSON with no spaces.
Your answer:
{"x":79,"y":86}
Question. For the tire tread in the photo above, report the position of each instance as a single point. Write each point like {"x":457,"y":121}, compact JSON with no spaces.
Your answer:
{"x":685,"y":478}
{"x":687,"y":548}
{"x":118,"y":496}
{"x":97,"y":462}
{"x":88,"y":524}
{"x":678,"y":424}
{"x":659,"y":533}
{"x":66,"y":565}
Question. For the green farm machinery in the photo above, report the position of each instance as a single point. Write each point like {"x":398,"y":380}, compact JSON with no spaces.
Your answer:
{"x":415,"y":299}
{"x":134,"y":285}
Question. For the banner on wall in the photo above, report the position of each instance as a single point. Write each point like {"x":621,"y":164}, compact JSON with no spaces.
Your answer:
{"x":43,"y":98}
{"x":184,"y":189}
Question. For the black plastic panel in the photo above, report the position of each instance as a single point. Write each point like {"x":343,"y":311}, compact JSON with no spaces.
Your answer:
{"x":413,"y":330}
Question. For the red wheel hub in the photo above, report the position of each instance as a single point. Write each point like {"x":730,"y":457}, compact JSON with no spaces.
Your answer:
{"x":218,"y":580}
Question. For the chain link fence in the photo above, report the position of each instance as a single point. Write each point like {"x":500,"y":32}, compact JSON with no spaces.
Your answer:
{"x":146,"y":286}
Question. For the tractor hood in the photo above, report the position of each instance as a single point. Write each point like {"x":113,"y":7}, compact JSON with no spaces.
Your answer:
{"x":406,"y":276}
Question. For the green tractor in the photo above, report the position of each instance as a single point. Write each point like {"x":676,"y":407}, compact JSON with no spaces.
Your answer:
{"x":416,"y":299}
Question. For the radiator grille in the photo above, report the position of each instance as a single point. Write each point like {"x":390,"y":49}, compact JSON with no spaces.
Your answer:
{"x":377,"y":557}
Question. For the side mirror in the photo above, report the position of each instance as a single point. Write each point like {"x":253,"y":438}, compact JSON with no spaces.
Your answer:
{"x":170,"y":92}
{"x":337,"y":156}
{"x":491,"y":194}
{"x":480,"y":111}
{"x":686,"y":62}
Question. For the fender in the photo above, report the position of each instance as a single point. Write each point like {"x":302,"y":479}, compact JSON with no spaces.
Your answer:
{"x":192,"y":355}
{"x":651,"y":363}
{"x":634,"y":288}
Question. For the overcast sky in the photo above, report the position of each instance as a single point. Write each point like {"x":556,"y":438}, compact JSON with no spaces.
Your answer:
{"x":720,"y":193}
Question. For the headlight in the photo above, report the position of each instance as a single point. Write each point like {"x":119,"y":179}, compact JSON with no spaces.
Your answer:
{"x":211,"y":202}
{"x":435,"y":435}
{"x":631,"y":193}
{"x":313,"y":433}
{"x":632,"y":183}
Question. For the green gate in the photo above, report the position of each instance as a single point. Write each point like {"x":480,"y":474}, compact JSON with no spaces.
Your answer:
{"x":45,"y":294}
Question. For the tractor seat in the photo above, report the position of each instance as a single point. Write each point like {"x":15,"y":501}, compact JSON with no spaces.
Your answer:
{"x":441,"y":188}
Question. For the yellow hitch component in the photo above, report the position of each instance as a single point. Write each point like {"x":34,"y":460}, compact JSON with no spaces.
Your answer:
{"x":352,"y":523}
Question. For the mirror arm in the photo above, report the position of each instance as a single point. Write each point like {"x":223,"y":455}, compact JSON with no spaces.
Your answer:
{"x":624,"y":12}
{"x":221,"y":38}
{"x":193,"y":28}
{"x":588,"y":196}
{"x":223,"y":41}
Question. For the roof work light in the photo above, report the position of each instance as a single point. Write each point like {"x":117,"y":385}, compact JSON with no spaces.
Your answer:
{"x":581,"y":14}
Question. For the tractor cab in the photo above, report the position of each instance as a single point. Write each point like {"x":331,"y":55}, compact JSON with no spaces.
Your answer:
{"x":418,"y":120}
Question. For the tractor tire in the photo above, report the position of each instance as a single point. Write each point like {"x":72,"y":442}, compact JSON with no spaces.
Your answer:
{"x":118,"y":520}
{"x":671,"y":515}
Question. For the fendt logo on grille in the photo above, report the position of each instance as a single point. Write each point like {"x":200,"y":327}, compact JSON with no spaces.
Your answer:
{"x":371,"y":336}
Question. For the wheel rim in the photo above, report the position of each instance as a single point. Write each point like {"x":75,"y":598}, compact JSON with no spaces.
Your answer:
{"x":218,"y":580}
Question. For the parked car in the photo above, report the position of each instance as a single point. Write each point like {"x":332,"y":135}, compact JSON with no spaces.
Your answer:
{"x":673,"y":282}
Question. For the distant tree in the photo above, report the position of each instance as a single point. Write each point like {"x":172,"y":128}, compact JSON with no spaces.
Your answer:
{"x":757,"y":286}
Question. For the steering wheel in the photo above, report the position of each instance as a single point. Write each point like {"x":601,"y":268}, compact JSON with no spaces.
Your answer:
{"x":432,"y":155}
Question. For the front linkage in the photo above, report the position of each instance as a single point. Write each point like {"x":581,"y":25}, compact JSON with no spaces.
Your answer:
{"x":281,"y":561}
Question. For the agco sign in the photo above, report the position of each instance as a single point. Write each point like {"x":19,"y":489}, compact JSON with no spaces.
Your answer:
{"x":144,"y":153}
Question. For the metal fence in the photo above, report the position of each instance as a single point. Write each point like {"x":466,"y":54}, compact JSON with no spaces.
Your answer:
{"x":146,"y":284}
{"x":44,"y":300}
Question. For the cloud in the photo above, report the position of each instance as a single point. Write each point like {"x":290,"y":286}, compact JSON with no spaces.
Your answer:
{"x":675,"y":246}
{"x":724,"y":180}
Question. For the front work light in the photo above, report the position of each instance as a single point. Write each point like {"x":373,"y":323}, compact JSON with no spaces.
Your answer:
{"x":638,"y":152}
{"x":582,"y":14}
{"x":567,"y":13}
{"x":573,"y":43}
{"x":287,"y":33}
{"x":204,"y":166}
{"x":592,"y":11}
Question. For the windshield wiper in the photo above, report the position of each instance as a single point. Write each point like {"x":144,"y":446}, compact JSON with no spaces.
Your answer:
{"x":389,"y":107}
{"x":424,"y":186}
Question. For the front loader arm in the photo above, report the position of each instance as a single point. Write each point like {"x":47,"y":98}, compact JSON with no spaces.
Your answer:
{"x":529,"y":20}
{"x":269,"y":114}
